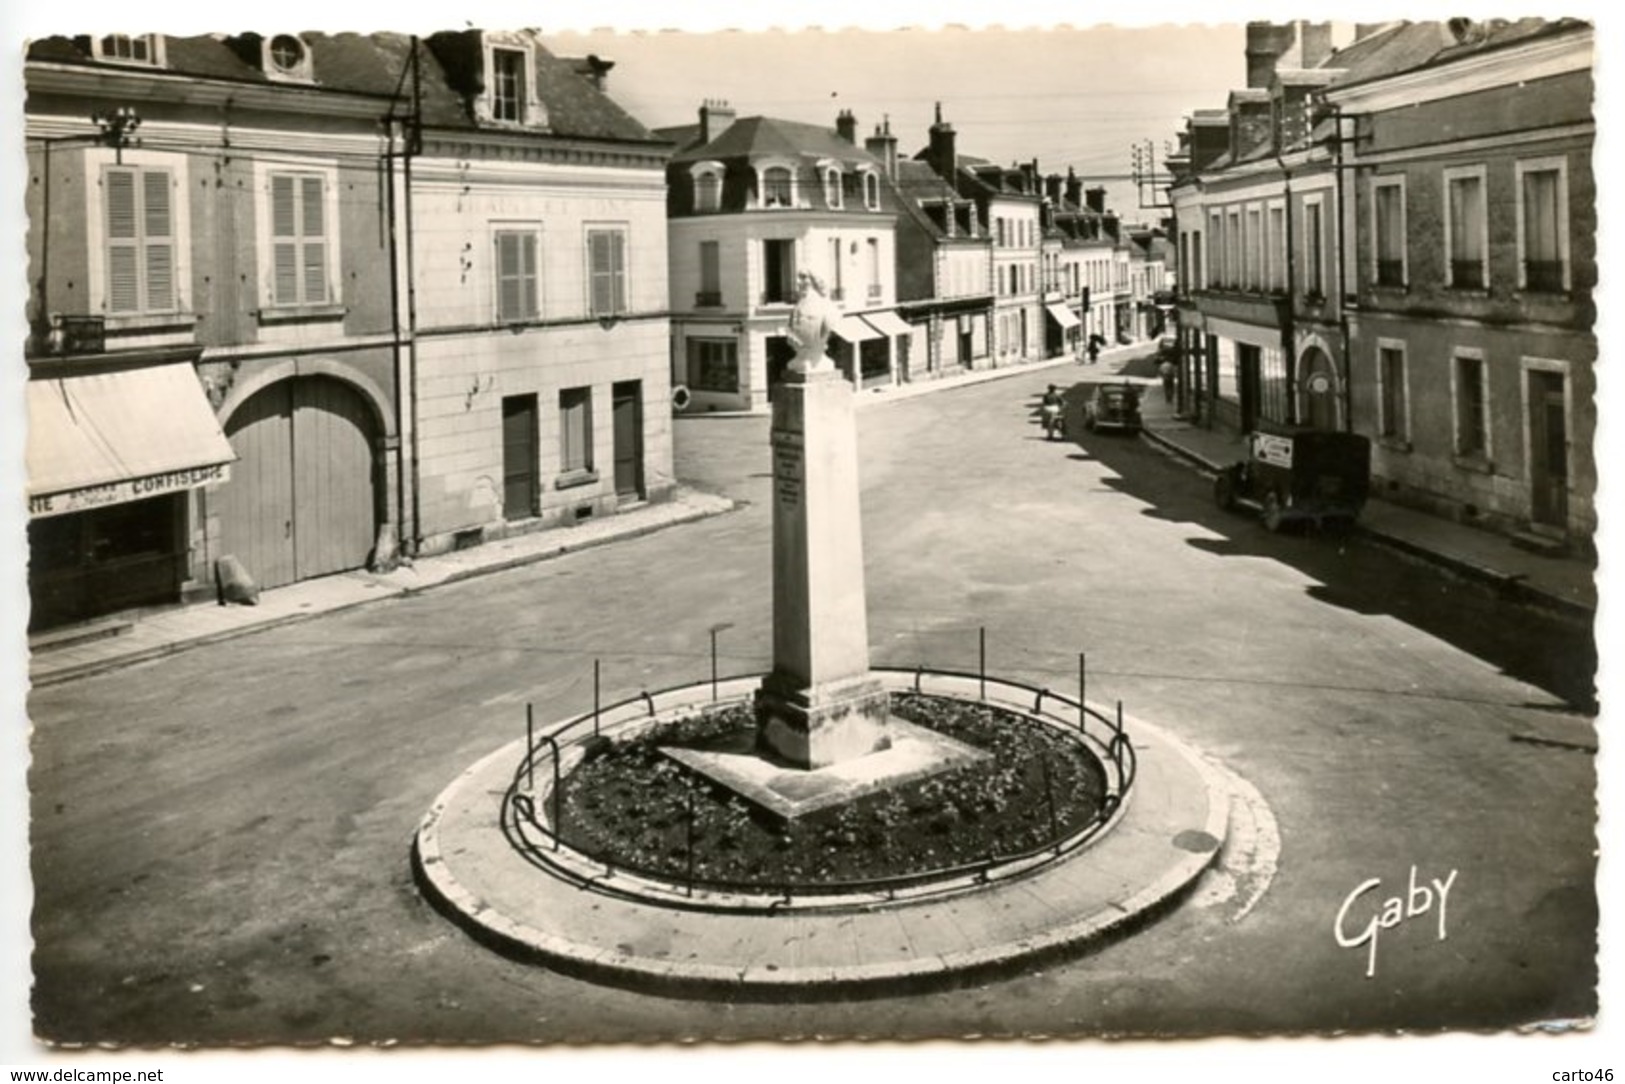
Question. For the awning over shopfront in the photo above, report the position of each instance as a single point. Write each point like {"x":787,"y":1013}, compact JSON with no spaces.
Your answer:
{"x":888,"y":323}
{"x":107,"y":438}
{"x":854,"y":330}
{"x":1063,"y":316}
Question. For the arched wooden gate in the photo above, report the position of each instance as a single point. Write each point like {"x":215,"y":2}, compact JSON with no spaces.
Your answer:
{"x":303,"y":499}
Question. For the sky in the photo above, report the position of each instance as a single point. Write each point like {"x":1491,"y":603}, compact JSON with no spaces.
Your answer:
{"x":1066,"y":97}
{"x":1063,"y":97}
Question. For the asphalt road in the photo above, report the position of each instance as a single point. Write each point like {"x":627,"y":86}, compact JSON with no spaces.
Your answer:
{"x":220,"y":839}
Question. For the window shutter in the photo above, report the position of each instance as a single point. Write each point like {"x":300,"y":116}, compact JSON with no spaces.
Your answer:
{"x":120,"y":184}
{"x":598,"y":255}
{"x":155,"y":193}
{"x":507,"y":288}
{"x":312,"y":210}
{"x":617,"y":247}
{"x":123,"y":273}
{"x":282,"y":206}
{"x":158,"y":231}
{"x":315,"y":272}
{"x":313,"y":213}
{"x":285,"y":273}
{"x":284,"y":243}
{"x":160,"y":276}
{"x":516,"y":275}
{"x":527,"y":273}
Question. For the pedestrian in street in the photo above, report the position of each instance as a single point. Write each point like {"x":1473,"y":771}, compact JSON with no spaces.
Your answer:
{"x":1050,"y":410}
{"x":1094,"y":348}
{"x":1167,"y":371}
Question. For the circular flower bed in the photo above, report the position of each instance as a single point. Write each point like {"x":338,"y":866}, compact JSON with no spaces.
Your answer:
{"x":629,"y":804}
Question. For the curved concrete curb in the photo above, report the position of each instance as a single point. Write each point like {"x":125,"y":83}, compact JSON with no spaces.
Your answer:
{"x":1171,"y":832}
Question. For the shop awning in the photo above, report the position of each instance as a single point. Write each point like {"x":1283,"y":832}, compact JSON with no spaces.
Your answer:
{"x":107,"y":438}
{"x":888,"y":323}
{"x":1062,"y":315}
{"x":854,"y":330}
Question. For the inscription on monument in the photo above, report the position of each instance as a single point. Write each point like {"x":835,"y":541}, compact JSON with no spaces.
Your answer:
{"x":788,"y":453}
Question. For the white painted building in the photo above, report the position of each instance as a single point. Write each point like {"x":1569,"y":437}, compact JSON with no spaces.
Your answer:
{"x":752,"y":203}
{"x":539,"y":275}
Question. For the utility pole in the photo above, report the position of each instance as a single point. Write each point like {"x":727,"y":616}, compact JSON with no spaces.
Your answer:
{"x":1147,"y":174}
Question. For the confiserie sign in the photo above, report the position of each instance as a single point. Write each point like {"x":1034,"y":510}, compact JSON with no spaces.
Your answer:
{"x":127,"y":489}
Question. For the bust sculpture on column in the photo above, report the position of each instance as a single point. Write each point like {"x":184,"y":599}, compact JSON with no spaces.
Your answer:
{"x":810,"y":323}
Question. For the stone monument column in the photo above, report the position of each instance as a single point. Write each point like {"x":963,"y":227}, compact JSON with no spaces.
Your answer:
{"x":819,"y":705}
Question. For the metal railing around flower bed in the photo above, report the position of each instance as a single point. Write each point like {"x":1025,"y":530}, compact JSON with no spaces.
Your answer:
{"x":1103,"y":735}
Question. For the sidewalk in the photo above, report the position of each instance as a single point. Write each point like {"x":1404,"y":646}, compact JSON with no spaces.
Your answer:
{"x":1563,"y":583}
{"x":59,"y":656}
{"x":64,"y":654}
{"x":1108,"y":365}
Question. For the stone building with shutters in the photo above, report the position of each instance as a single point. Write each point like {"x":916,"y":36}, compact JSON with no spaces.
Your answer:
{"x":1397,"y":237}
{"x":311,"y":300}
{"x":1080,"y":289}
{"x":1262,"y":310}
{"x":1473,"y":245}
{"x":539,"y":316}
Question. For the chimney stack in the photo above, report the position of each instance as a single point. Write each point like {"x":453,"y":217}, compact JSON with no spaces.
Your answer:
{"x":597,"y":72}
{"x":716,"y":116}
{"x":883,"y":145}
{"x":846,"y":126}
{"x":1052,"y":188}
{"x":940,"y":154}
{"x":1314,"y":44}
{"x":1034,"y":183}
{"x":1074,"y":188}
{"x":1097,"y":199}
{"x":1272,"y":46}
{"x":1267,"y":43}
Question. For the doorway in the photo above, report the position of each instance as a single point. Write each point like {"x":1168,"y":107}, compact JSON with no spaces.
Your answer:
{"x":521,"y":493}
{"x":1548,"y":450}
{"x":627,"y":398}
{"x":303,"y":499}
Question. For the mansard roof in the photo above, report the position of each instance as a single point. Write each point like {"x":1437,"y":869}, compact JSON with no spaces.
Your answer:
{"x":759,"y":137}
{"x":378,"y":65}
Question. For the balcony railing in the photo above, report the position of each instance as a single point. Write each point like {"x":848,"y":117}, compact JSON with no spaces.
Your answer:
{"x":1391,"y":272}
{"x":76,"y":334}
{"x":1467,"y":274}
{"x":708,"y":299}
{"x":1543,"y":276}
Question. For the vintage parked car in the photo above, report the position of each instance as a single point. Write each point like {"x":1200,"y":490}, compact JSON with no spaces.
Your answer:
{"x":1295,"y":474}
{"x":1113,"y":406}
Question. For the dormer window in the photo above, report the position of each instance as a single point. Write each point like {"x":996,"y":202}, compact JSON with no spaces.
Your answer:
{"x":871,"y":191}
{"x":832,"y":187}
{"x":287,"y":58}
{"x":287,"y":52}
{"x":508,"y":85}
{"x":778,"y":187}
{"x":510,"y":82}
{"x":707,"y":186}
{"x":128,"y":48}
